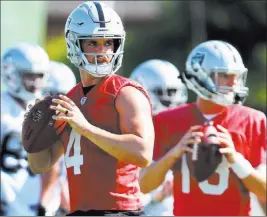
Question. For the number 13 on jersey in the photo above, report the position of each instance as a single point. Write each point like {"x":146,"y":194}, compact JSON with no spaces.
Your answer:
{"x":207,"y":188}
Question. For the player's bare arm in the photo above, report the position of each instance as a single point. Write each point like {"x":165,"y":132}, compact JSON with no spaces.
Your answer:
{"x":255,"y":181}
{"x":42,"y":161}
{"x":262,"y":170}
{"x":135,"y":144}
{"x":49,"y":182}
{"x":154,"y":175}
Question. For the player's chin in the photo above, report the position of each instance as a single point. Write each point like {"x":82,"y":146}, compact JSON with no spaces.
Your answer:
{"x":103,"y":62}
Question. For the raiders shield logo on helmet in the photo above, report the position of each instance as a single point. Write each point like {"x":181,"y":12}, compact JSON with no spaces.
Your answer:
{"x":197,"y":60}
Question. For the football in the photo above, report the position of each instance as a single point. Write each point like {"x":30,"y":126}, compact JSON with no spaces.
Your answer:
{"x":39,"y":130}
{"x":206,"y":156}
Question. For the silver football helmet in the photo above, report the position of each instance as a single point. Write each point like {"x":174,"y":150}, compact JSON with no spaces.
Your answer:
{"x":22,"y":59}
{"x":94,"y":20}
{"x":160,"y":79}
{"x":61,"y":79}
{"x":206,"y":62}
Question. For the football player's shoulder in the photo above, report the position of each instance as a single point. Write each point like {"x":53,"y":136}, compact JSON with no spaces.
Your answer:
{"x":174,"y":113}
{"x":114,"y":79}
{"x":248,"y":113}
{"x":74,"y":90}
{"x":113,"y":84}
{"x":118,"y":77}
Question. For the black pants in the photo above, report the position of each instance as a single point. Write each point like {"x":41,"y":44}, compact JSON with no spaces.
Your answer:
{"x":107,"y":213}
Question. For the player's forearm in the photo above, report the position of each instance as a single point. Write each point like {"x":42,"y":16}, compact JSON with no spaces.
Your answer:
{"x":42,"y":161}
{"x":253,"y":179}
{"x":64,"y":196}
{"x":256,"y":183}
{"x":49,"y":181}
{"x":263,"y":206}
{"x":126,"y":147}
{"x":39,"y":162}
{"x":154,"y":175}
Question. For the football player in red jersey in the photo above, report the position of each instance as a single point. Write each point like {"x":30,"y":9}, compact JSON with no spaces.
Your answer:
{"x":216,"y":73}
{"x":159,"y":78}
{"x":109,"y":133}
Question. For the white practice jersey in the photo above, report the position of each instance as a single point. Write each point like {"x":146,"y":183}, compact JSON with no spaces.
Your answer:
{"x":20,"y":189}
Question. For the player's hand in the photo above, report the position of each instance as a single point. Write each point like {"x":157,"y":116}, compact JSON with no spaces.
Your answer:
{"x":167,"y":188}
{"x":70,"y":113}
{"x":193,"y":136}
{"x":226,"y":141}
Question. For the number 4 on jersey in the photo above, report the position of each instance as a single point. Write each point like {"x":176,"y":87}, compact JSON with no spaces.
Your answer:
{"x":77,"y":159}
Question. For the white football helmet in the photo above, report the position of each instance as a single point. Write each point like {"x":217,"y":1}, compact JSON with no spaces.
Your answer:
{"x":24,"y":58}
{"x":61,"y":79}
{"x":93,"y":20}
{"x":203,"y":65}
{"x":160,"y":79}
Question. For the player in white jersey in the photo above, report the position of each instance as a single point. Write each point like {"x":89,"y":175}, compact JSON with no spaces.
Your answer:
{"x":24,"y":72}
{"x":160,"y":79}
{"x":55,"y":194}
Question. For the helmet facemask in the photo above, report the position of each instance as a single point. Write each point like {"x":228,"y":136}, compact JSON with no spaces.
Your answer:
{"x":30,"y":89}
{"x":170,"y":97}
{"x":235,"y":92}
{"x":33,"y":82}
{"x":97,"y":68}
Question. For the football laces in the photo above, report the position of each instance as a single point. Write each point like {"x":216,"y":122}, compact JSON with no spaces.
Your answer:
{"x":195,"y":152}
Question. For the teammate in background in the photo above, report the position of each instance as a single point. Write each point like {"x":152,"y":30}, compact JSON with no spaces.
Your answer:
{"x":55,"y":193}
{"x":160,"y":79}
{"x":102,"y":155}
{"x":166,"y":90}
{"x":61,"y":79}
{"x":24,"y":72}
{"x":216,"y":73}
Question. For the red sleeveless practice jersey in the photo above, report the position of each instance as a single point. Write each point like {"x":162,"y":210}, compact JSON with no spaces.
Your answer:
{"x":97,"y":180}
{"x":223,"y":193}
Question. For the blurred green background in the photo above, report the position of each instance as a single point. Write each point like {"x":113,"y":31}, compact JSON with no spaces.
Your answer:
{"x":154,"y":29}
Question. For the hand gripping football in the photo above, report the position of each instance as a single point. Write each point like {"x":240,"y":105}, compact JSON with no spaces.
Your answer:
{"x":206,"y":156}
{"x":38,"y":129}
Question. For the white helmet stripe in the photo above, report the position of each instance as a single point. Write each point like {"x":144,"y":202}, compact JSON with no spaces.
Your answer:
{"x":100,"y":15}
